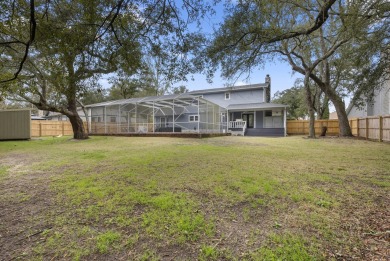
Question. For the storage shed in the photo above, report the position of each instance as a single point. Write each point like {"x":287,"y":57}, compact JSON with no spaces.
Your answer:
{"x":15,"y":124}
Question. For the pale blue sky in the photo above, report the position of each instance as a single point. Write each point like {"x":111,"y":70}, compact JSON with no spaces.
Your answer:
{"x":281,"y":73}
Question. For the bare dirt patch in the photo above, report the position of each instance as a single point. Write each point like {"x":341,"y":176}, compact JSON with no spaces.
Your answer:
{"x":369,"y":226}
{"x":25,"y":196}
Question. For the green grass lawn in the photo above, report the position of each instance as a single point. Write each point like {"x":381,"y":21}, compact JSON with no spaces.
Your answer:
{"x":226,"y":198}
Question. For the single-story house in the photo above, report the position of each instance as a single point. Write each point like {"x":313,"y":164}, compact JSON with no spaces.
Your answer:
{"x":244,"y":110}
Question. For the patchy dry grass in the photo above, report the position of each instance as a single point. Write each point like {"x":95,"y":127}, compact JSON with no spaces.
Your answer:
{"x":227,"y":198}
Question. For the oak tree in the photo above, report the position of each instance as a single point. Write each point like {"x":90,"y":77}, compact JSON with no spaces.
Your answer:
{"x":256,"y":32}
{"x":77,"y":42}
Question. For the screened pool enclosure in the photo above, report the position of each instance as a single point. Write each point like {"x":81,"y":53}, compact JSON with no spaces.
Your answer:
{"x":168,"y":113}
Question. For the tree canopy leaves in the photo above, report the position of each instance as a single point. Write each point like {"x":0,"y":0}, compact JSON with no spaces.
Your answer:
{"x":249,"y":37}
{"x":77,"y":42}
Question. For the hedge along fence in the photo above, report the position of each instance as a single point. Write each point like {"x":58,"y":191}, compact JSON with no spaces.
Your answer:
{"x":51,"y":128}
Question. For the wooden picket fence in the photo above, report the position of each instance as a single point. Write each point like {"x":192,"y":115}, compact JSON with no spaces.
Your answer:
{"x":373,"y":128}
{"x":301,"y":127}
{"x":51,"y":128}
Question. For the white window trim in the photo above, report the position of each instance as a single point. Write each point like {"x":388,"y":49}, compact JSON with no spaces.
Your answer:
{"x":193,"y":118}
{"x":225,"y":95}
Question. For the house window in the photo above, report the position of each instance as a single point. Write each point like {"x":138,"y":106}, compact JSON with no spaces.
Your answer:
{"x":268,"y":113}
{"x":112,"y":119}
{"x":227,"y":95}
{"x":194,"y":118}
{"x":223,"y":117}
{"x":96,"y":119}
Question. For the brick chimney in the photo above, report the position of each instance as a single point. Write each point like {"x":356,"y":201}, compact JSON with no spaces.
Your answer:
{"x":268,"y":89}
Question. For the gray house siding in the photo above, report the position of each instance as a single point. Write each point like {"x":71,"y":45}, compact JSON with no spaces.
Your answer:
{"x":260,"y":120}
{"x":184,"y":121}
{"x":158,"y":123}
{"x":236,"y":97}
{"x":382,"y":104}
{"x":213,"y":107}
{"x":181,"y":121}
{"x":263,"y":126}
{"x":259,"y":117}
{"x":97,"y":114}
{"x":357,"y":112}
{"x":379,"y":106}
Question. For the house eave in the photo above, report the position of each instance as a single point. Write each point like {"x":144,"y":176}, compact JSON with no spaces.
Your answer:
{"x":256,"y":106}
{"x":230,"y":89}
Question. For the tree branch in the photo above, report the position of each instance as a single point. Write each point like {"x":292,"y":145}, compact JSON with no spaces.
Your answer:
{"x":110,"y":24}
{"x":33,"y":27}
{"x":321,"y":18}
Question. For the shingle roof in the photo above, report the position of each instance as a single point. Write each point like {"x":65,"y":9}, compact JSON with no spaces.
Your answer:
{"x":191,"y":95}
{"x":233,"y":88}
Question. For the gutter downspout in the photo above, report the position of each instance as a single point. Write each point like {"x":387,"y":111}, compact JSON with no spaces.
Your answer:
{"x":227,"y":121}
{"x":105,"y":119}
{"x":154,"y":126}
{"x":173,"y":115}
{"x":285,"y":121}
{"x":198,"y":117}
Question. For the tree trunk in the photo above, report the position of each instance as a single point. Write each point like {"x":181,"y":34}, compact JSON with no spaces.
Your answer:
{"x":344,"y":128}
{"x":79,"y":131}
{"x":310,"y":106}
{"x":312,"y":132}
{"x":318,"y":109}
{"x":85,"y":113}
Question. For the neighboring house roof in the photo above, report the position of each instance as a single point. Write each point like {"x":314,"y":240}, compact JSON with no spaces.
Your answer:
{"x":58,"y":114}
{"x":233,"y":88}
{"x":333,"y":116}
{"x":34,"y":117}
{"x":261,"y":105}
